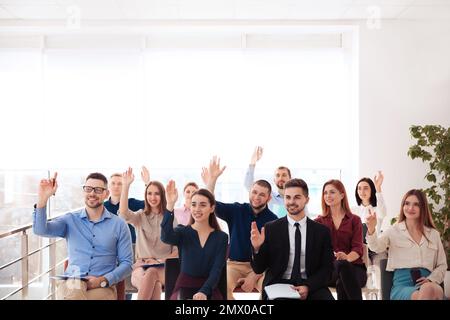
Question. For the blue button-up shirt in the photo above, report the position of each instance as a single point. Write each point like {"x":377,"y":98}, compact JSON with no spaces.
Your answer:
{"x":100,"y":248}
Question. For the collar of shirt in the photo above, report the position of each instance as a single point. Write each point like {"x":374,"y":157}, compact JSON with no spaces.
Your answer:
{"x":278,"y":195}
{"x":348,"y":215}
{"x":259,"y":214}
{"x":152,"y":216}
{"x":402,"y":227}
{"x":105,"y":215}
{"x":110,"y":202}
{"x":302,"y":222}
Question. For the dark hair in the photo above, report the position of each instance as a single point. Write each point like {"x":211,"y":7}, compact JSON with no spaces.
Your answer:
{"x":264,"y":184}
{"x":193,"y":184}
{"x":162,"y":192}
{"x":212,"y":220}
{"x":425,"y":213}
{"x":373,"y":191}
{"x":297,"y":183}
{"x":344,"y":202}
{"x":285,"y":168}
{"x":97,"y":176}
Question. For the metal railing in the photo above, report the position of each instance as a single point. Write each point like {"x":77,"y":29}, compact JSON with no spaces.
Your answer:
{"x":24,"y":260}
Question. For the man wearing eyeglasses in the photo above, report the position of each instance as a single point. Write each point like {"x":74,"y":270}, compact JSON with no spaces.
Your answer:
{"x":98,"y":242}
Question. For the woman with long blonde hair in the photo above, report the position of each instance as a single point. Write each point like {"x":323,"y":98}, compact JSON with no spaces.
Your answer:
{"x":151,"y":252}
{"x":415,"y":251}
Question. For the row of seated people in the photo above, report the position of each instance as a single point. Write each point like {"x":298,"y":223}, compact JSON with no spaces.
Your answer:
{"x":263,"y":249}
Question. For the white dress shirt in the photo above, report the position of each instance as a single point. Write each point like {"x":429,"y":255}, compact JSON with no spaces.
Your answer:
{"x":380,"y":210}
{"x":291,"y":228}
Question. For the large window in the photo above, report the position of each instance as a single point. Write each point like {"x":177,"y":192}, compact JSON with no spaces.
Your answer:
{"x":171,"y":105}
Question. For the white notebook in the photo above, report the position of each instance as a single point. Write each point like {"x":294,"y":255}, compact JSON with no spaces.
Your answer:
{"x":281,"y":290}
{"x":67,"y":277}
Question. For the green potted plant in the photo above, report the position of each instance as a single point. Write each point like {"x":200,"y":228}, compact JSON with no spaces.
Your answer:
{"x":433,"y":146}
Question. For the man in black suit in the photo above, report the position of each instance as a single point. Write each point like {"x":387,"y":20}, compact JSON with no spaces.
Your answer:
{"x":295,"y":249}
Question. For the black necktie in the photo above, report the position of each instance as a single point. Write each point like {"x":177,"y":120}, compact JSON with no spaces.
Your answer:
{"x":295,"y":275}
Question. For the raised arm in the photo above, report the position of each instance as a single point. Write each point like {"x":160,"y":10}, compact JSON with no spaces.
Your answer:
{"x":145,"y":175}
{"x":42,"y":227}
{"x":47,"y":188}
{"x":124,"y":211}
{"x":261,"y":255}
{"x":378,"y":180}
{"x":381,"y":205}
{"x":250,"y":175}
{"x":168,"y":234}
{"x":211,"y":174}
{"x":376,"y":243}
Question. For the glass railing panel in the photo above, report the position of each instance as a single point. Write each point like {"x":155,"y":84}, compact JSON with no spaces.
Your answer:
{"x":10,"y":279}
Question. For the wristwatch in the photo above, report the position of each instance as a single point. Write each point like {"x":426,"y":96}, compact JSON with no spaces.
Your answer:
{"x":104,"y":284}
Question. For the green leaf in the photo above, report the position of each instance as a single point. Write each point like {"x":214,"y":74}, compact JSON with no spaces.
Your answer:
{"x":431,"y":177}
{"x":433,"y":147}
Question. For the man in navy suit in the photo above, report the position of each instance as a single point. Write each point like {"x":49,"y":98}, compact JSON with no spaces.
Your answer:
{"x":294,"y":249}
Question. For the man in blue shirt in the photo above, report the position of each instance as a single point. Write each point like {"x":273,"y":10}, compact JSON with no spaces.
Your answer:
{"x":281,"y":176}
{"x":98,"y":242}
{"x":239,"y":217}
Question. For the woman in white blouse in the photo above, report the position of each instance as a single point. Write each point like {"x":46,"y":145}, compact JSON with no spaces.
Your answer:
{"x":415,"y":251}
{"x":369,"y":197}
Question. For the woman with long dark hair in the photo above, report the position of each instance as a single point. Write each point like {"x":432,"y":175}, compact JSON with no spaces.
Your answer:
{"x":369,"y":197}
{"x":202,"y":245}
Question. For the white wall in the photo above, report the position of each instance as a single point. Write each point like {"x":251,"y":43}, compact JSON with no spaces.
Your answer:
{"x":404,"y":80}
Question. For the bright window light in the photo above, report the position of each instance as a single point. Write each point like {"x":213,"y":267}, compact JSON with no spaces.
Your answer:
{"x":173,"y":109}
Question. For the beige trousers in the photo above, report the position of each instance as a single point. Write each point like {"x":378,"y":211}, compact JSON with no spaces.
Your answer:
{"x":74,"y":289}
{"x":235,"y":271}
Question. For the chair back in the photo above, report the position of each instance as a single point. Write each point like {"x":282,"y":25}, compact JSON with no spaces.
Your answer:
{"x":386,"y":280}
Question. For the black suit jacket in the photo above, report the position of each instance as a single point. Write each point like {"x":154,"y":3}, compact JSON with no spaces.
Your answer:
{"x":273,"y":255}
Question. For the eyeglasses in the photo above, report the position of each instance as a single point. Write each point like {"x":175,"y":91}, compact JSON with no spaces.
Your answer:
{"x":97,"y":190}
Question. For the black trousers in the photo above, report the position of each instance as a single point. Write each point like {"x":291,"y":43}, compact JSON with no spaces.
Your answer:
{"x":348,"y":279}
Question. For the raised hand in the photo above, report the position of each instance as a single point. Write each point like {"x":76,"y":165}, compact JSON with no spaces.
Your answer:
{"x":128,"y":177}
{"x":205,"y":176}
{"x":171,"y":195}
{"x":378,"y":179}
{"x":256,"y":156}
{"x":145,"y":175}
{"x":371,"y":221}
{"x":214,"y":168}
{"x":257,"y":238}
{"x":47,"y":188}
